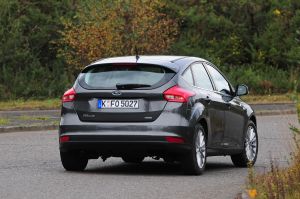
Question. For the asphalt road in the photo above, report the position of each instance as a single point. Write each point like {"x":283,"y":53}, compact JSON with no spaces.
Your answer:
{"x":30,"y":168}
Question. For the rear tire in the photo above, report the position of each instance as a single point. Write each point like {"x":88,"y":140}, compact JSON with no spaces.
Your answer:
{"x":133,"y":159}
{"x":194,"y":163}
{"x":73,"y":161}
{"x":249,"y":154}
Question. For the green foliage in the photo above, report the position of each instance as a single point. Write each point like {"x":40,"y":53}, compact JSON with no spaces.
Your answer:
{"x":263,"y":79}
{"x":254,"y":42}
{"x":28,"y":64}
{"x":240,"y":32}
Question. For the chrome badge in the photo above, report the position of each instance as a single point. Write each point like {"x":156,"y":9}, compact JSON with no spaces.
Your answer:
{"x":116,"y":93}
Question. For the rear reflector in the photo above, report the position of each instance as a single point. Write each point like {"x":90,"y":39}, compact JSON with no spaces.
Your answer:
{"x":174,"y":140}
{"x":177,"y":94}
{"x":69,"y":95}
{"x":64,"y":138}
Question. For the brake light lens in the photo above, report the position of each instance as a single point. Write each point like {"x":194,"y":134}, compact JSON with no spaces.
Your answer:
{"x":64,"y":138}
{"x":177,"y":94}
{"x":69,"y":95}
{"x":176,"y":140}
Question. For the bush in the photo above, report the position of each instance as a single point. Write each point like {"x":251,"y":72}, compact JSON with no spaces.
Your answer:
{"x":263,"y":79}
{"x":33,"y":81}
{"x":28,"y":64}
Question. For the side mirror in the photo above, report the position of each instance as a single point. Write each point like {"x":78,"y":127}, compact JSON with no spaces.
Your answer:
{"x":241,"y":90}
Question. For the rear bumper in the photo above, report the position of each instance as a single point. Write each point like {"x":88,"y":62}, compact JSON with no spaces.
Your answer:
{"x":108,"y":142}
{"x":109,"y":145}
{"x":117,"y":138}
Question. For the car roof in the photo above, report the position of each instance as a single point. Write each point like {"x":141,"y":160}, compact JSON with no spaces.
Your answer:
{"x":170,"y":61}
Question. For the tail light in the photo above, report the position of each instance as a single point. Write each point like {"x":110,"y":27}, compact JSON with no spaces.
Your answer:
{"x":177,"y":140}
{"x":64,"y":138}
{"x":177,"y":94}
{"x":69,"y":95}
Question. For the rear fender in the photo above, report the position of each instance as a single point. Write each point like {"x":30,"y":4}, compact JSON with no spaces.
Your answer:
{"x":197,"y":113}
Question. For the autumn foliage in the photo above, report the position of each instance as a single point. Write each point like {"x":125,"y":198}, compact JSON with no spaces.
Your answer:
{"x":112,"y":28}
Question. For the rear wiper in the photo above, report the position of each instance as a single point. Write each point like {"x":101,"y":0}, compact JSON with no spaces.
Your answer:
{"x":131,"y":86}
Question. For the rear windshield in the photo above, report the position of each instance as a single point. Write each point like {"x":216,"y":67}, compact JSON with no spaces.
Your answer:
{"x":108,"y":76}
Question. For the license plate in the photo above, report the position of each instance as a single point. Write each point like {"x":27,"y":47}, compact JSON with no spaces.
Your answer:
{"x":118,"y":103}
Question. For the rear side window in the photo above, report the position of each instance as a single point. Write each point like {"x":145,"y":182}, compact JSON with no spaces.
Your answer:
{"x":201,"y":77}
{"x":187,"y":76}
{"x":108,"y":76}
{"x":220,"y":82}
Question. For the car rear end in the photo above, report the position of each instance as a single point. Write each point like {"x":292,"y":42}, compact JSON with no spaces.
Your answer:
{"x":121,"y":109}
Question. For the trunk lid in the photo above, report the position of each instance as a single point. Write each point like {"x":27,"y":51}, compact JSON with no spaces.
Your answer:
{"x":121,"y":93}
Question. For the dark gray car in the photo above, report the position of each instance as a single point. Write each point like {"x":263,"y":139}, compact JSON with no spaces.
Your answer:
{"x":181,"y":109}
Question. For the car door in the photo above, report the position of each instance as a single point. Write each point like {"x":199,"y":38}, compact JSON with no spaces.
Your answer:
{"x":234,"y":113}
{"x":213,"y":104}
{"x":237,"y":116}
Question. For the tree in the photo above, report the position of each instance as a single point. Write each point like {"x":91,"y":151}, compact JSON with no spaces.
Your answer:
{"x":239,"y":32}
{"x":111,"y":28}
{"x":28,"y":63}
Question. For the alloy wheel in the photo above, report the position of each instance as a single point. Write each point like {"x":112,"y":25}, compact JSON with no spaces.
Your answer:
{"x":200,"y":149}
{"x":251,"y":143}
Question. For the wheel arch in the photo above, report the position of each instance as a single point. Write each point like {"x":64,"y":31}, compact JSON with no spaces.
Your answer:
{"x":199,"y":116}
{"x":253,"y":119}
{"x":204,"y":124}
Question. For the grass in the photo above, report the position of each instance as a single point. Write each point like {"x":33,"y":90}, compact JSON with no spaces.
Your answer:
{"x":276,"y":98}
{"x":56,"y":123}
{"x":4,"y":121}
{"x":30,"y":104}
{"x":35,"y":118}
{"x":279,"y":182}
